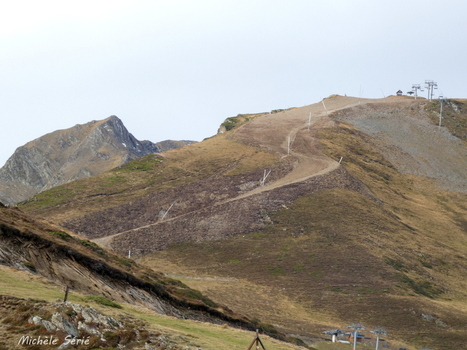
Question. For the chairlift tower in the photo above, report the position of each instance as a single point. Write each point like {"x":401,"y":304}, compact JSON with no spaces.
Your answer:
{"x":430,"y":85}
{"x":378,"y":331}
{"x":356,"y":327}
{"x":416,"y":87}
{"x":441,"y":100}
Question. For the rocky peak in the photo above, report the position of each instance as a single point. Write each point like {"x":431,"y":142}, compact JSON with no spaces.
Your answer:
{"x":81,"y":151}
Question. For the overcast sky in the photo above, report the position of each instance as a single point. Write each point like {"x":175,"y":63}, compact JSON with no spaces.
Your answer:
{"x":176,"y":69}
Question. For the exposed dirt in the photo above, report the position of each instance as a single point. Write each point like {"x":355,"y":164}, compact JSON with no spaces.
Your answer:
{"x":210,"y":209}
{"x":362,"y":218}
{"x":401,"y":135}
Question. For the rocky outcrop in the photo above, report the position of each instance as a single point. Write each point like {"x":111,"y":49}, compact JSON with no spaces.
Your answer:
{"x":77,"y":318}
{"x":65,"y":325}
{"x":67,"y":155}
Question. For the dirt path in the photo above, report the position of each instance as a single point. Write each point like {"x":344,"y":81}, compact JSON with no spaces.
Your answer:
{"x":288,"y":133}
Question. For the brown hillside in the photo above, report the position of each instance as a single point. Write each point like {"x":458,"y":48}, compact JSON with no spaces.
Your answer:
{"x":68,"y":260}
{"x":378,"y":238}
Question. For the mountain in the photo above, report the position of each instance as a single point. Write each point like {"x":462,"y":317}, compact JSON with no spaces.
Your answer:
{"x":310,"y":218}
{"x":67,"y":155}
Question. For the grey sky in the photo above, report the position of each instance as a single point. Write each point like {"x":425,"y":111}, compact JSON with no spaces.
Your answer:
{"x":176,"y":69}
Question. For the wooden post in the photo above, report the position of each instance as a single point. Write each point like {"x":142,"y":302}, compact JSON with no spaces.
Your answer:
{"x":66,"y":294}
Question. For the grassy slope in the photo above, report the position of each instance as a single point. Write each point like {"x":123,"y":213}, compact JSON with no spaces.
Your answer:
{"x":454,"y":119}
{"x":18,"y":230}
{"x":146,"y":175}
{"x":330,"y":258}
{"x":180,"y":332}
{"x":335,"y":257}
{"x":35,"y":288}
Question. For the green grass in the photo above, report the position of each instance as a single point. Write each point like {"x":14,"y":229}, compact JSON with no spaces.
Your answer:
{"x":397,"y":264}
{"x":421,"y":287}
{"x":103,"y":301}
{"x":26,"y":285}
{"x":197,"y":295}
{"x":62,"y":235}
{"x":298,"y":267}
{"x":277,"y":271}
{"x":98,"y":249}
{"x":230,"y":123}
{"x":146,"y":163}
{"x":208,"y":336}
{"x":204,"y":335}
{"x":234,"y":122}
{"x":52,"y":197}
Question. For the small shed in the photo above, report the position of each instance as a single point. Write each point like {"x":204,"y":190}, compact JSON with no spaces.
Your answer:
{"x":399,"y":93}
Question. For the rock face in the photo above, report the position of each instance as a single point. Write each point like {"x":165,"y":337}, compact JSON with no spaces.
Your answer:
{"x":67,"y":155}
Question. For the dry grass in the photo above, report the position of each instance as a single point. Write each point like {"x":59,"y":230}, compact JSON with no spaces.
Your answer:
{"x":336,"y":248}
{"x":215,"y":156}
{"x":180,"y":333}
{"x":327,"y":258}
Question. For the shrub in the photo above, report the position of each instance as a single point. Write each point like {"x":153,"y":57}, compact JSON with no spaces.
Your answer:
{"x":230,"y":123}
{"x":195,"y":294}
{"x":89,"y":244}
{"x":421,"y":287}
{"x":398,"y":265}
{"x":60,"y":234}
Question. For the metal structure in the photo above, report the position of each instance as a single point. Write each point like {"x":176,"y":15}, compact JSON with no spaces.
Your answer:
{"x":290,"y":141}
{"x":265,"y":176}
{"x":257,"y":341}
{"x":441,"y":100}
{"x":356,"y":327}
{"x":378,"y":331}
{"x":334,"y":333}
{"x":430,"y":85}
{"x":166,"y":212}
{"x":416,"y":87}
{"x":322,"y":101}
